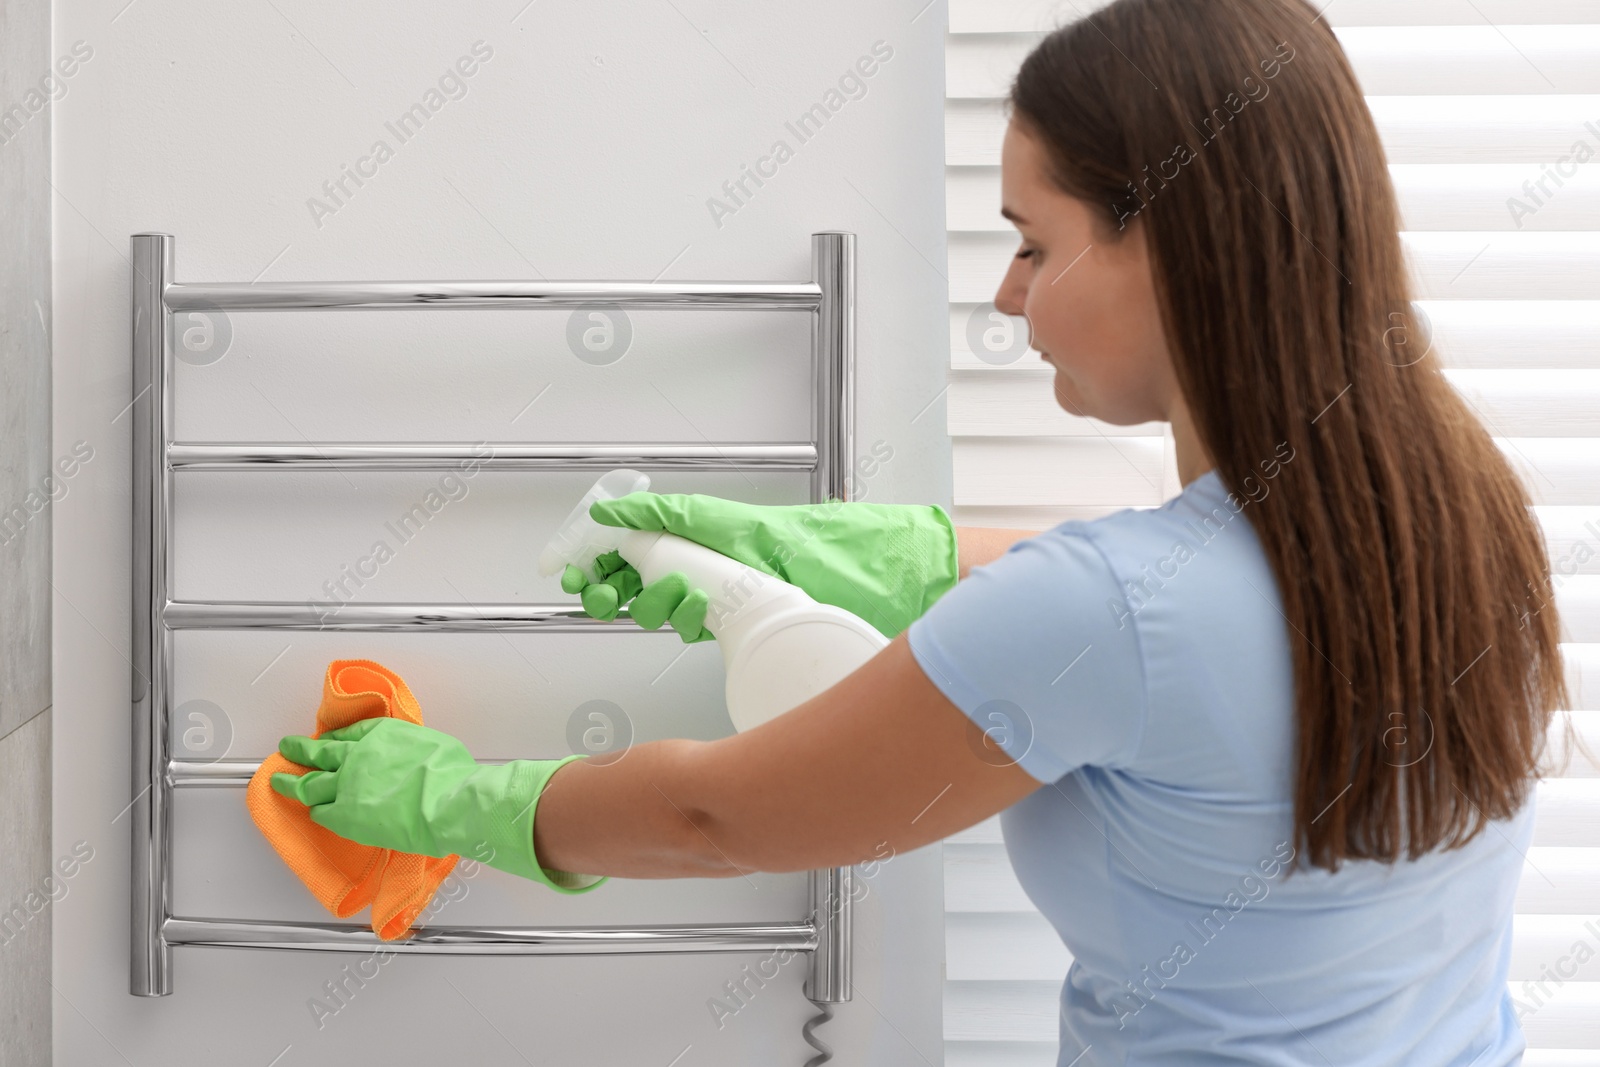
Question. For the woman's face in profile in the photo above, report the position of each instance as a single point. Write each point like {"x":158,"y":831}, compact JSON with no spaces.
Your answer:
{"x":1087,"y":292}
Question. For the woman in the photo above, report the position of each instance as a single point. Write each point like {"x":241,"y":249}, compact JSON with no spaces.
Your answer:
{"x":1264,"y":754}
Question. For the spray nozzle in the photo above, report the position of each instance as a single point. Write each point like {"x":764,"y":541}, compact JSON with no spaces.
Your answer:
{"x":579,"y":539}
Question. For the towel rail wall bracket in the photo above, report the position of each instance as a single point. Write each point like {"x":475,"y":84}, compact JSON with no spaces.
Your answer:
{"x":829,"y":296}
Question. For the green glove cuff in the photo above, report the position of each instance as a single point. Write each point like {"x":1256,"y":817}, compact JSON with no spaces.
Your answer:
{"x":510,"y":795}
{"x":918,"y":560}
{"x":945,"y":566}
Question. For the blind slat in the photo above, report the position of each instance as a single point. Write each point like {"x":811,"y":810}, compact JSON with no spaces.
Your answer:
{"x":1051,"y":471}
{"x":1468,"y":334}
{"x":1433,"y":196}
{"x":960,"y":1053}
{"x":1467,"y":129}
{"x":1027,"y":1011}
{"x":1009,"y":946}
{"x":1453,"y":265}
{"x":1019,"y":400}
{"x":1558,"y":880}
{"x":1008,"y":16}
{"x":1512,"y":60}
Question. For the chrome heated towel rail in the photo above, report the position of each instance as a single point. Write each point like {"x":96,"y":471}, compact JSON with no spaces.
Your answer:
{"x":829,"y":296}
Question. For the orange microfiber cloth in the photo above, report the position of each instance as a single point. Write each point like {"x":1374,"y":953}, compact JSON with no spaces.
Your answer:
{"x":343,"y":875}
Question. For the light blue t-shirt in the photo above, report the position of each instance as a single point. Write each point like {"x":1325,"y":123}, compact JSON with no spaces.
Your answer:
{"x":1139,"y":664}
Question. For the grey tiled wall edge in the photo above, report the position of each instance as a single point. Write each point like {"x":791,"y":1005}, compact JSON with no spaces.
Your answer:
{"x":25,"y":519}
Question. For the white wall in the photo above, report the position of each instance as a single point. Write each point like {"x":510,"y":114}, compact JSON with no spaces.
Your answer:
{"x":585,"y":146}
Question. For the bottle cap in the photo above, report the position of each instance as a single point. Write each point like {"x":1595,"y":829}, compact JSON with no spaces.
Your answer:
{"x":579,"y":539}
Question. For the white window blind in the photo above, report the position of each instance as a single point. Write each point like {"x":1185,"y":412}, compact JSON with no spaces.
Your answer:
{"x":1472,"y":98}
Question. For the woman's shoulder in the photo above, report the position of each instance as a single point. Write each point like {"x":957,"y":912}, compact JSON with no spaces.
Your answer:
{"x":1158,"y":621}
{"x":1201,"y":597}
{"x":1204,"y":506}
{"x":1205,"y":529}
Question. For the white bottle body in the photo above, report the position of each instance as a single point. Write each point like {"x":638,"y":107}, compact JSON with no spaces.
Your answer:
{"x":779,"y":646}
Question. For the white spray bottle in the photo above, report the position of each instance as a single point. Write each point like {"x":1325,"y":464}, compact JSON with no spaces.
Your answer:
{"x":779,"y":646}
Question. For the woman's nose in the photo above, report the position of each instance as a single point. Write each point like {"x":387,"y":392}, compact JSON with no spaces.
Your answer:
{"x":1009,"y":298}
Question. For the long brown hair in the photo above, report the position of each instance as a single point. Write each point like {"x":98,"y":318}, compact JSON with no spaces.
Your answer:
{"x":1426,"y":648}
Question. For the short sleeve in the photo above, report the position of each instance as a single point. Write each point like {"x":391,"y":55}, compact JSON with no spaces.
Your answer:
{"x":1039,"y":650}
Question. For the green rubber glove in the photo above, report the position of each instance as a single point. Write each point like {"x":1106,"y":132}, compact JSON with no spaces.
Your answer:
{"x":886,"y":563}
{"x":393,"y":784}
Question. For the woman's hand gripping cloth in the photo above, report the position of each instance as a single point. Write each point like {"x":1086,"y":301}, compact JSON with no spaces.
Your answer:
{"x":343,"y":875}
{"x":382,"y":783}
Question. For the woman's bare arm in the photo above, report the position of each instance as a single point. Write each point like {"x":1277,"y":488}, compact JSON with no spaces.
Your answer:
{"x":977,"y":545}
{"x":881,"y":760}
